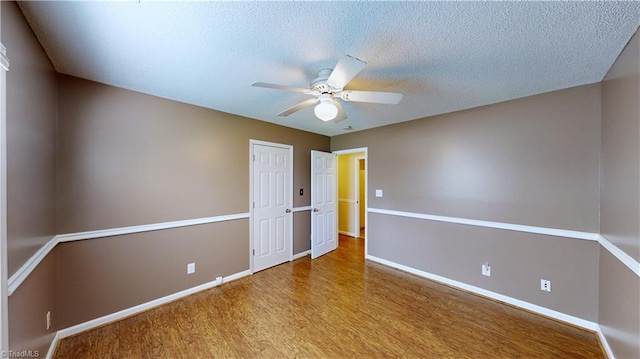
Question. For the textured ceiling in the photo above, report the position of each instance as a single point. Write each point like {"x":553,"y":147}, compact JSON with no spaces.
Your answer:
{"x":443,"y":56}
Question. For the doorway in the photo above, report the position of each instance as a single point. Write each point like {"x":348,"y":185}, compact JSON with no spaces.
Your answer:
{"x":352,"y":192}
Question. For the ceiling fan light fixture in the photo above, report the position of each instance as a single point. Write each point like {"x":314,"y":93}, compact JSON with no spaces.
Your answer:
{"x":326,"y":110}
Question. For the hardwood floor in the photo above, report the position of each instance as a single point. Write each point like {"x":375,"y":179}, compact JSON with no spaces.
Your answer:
{"x":337,"y":306}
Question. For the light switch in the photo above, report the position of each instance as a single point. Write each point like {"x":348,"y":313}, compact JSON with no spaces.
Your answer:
{"x":378,"y":193}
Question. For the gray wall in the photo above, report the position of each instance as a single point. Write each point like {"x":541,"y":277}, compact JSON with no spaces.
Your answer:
{"x":31,"y":140}
{"x":125,"y":158}
{"x":531,"y":161}
{"x":620,"y":196}
{"x":28,"y":307}
{"x":137,"y":268}
{"x":618,"y":311}
{"x":31,"y":176}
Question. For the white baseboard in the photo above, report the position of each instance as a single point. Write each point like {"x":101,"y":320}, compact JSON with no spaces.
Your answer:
{"x":53,"y":346}
{"x":94,"y":323}
{"x":238,"y":275}
{"x":605,"y":343}
{"x":300,"y":255}
{"x":583,"y":323}
{"x":109,"y":318}
{"x":348,"y":234}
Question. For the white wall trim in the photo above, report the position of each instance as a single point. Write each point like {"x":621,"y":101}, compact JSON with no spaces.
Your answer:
{"x":489,"y":294}
{"x":301,"y":255}
{"x":488,"y":224}
{"x":351,"y":150}
{"x":147,"y":227}
{"x":605,"y":343}
{"x":21,"y":274}
{"x":4,"y":60}
{"x":622,"y":256}
{"x":301,"y":209}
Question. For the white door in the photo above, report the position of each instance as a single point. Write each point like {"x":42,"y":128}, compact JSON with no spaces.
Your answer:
{"x":324,"y":231}
{"x":272,"y":199}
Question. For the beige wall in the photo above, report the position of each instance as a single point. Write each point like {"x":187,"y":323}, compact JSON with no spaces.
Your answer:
{"x":137,"y":268}
{"x":301,"y":231}
{"x":28,"y":307}
{"x":618,"y":310}
{"x":31,"y":140}
{"x":620,"y":208}
{"x":124,"y":159}
{"x":532,"y":161}
{"x":31,"y":171}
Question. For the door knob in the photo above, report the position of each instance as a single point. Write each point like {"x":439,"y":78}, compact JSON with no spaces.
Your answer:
{"x":315,"y":210}
{"x":287,"y":210}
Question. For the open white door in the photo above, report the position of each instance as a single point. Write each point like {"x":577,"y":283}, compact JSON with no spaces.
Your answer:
{"x":324,"y":231}
{"x":272,"y":200}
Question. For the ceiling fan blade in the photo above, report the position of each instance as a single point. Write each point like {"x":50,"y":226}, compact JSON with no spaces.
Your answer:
{"x":341,"y":115}
{"x":280,"y":87}
{"x":346,"y":69}
{"x":389,"y":98}
{"x":298,"y":107}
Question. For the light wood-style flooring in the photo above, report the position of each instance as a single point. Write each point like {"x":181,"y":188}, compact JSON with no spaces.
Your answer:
{"x":337,"y":306}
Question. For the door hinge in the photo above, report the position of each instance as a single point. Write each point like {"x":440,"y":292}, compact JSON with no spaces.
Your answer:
{"x":254,"y":252}
{"x":254,"y":205}
{"x":254,"y":158}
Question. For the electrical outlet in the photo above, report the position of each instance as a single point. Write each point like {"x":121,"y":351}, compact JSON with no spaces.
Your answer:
{"x":48,"y":320}
{"x":545,"y":285}
{"x":191,"y":268}
{"x":486,"y":270}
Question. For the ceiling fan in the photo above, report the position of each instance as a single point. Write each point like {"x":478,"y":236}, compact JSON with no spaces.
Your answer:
{"x":329,"y":86}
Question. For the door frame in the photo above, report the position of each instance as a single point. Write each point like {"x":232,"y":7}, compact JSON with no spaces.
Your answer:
{"x":365,"y":150}
{"x":356,"y":190}
{"x":4,"y":292}
{"x":253,"y":142}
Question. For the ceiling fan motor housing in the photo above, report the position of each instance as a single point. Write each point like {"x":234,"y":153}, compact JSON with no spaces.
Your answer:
{"x":320,"y":85}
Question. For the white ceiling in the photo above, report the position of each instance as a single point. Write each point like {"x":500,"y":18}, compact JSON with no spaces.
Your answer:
{"x":443,"y":56}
